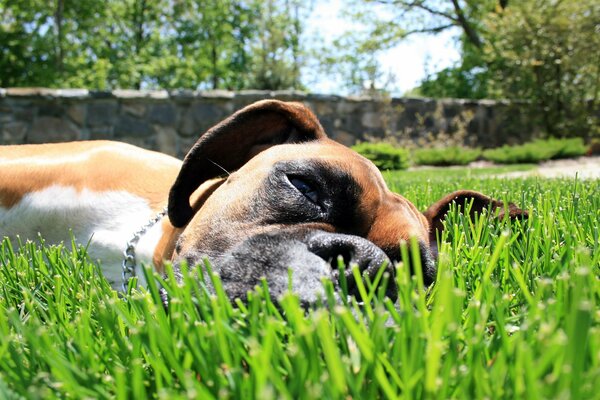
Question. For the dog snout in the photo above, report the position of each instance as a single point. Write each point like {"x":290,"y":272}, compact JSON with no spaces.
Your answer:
{"x":354,"y":250}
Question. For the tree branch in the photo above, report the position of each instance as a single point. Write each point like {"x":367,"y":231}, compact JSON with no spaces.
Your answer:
{"x":436,"y":29}
{"x":419,"y":4}
{"x":466,"y":26}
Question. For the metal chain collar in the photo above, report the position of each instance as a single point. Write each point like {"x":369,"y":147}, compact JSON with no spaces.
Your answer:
{"x":129,"y":260}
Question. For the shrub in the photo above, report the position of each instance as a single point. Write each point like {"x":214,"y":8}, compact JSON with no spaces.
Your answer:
{"x":384,"y":155}
{"x":569,"y":148}
{"x":453,"y":155}
{"x":536,"y":151}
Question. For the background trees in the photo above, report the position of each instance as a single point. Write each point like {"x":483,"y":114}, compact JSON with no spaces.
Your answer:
{"x":543,"y":52}
{"x":211,"y":44}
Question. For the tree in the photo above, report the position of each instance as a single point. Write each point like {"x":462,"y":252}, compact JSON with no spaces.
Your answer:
{"x":277,"y":51}
{"x":390,"y":21}
{"x":216,"y":44}
{"x":24,"y":42}
{"x":546,"y":52}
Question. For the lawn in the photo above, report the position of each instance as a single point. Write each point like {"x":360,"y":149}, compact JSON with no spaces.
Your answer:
{"x":514,"y":314}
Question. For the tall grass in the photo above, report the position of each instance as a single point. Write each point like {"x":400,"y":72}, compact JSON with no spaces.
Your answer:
{"x":513,"y":314}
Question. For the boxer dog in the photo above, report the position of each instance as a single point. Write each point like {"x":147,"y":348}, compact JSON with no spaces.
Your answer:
{"x":262,"y":192}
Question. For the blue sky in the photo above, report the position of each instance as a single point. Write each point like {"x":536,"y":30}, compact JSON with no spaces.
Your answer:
{"x":409,"y":62}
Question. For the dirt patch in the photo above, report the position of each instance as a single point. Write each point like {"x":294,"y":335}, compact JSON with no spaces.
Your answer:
{"x":582,"y":167}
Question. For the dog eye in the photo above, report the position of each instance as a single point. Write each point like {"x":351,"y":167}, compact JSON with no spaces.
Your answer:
{"x":306,"y":189}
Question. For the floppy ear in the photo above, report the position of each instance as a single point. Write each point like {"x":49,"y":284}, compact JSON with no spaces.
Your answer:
{"x":234,"y":141}
{"x":436,"y":213}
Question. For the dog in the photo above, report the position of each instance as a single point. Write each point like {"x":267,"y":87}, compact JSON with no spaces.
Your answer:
{"x":262,"y":192}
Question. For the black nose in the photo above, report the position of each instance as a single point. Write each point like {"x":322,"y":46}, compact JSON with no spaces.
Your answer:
{"x":354,"y":250}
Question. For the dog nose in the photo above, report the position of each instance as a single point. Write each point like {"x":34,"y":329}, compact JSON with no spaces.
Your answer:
{"x":355,"y":250}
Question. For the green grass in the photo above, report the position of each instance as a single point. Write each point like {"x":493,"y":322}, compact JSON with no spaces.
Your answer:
{"x":514,"y":314}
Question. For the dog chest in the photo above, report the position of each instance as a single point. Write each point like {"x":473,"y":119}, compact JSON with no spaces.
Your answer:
{"x":107,"y":220}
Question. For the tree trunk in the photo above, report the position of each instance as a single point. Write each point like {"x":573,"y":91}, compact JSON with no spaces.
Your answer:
{"x":58,"y":20}
{"x":138,"y":40}
{"x":466,"y":26}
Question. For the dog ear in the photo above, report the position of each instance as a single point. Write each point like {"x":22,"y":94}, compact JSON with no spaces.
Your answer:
{"x":231,"y":143}
{"x":436,"y":213}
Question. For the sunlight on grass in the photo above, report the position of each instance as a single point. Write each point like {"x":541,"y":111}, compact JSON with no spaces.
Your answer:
{"x":513,"y":314}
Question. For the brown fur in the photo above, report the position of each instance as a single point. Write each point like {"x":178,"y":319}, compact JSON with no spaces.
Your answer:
{"x":94,"y":165}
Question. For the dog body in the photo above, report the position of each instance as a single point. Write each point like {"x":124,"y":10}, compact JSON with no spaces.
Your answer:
{"x":99,"y":191}
{"x":290,"y":199}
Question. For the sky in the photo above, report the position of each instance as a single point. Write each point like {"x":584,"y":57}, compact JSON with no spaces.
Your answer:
{"x":409,"y":62}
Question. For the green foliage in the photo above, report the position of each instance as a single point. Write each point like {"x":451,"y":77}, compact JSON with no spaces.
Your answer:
{"x":569,"y":148}
{"x":387,"y":23}
{"x":513,"y":314}
{"x":546,"y":52}
{"x":277,"y":53}
{"x":452,"y":155}
{"x":192,"y":44}
{"x":384,"y":155}
{"x":456,"y":82}
{"x":537,"y":151}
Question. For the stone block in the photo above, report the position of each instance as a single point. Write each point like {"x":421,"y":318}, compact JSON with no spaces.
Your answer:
{"x":143,"y":142}
{"x":102,"y":113}
{"x":182,"y":96}
{"x":72,"y":93}
{"x":52,"y":129}
{"x":14,"y":132}
{"x":321,"y":108}
{"x":30,"y":92}
{"x":128,"y":126}
{"x":6,"y":114}
{"x":328,"y":124}
{"x":345,"y":138}
{"x":162,"y":113}
{"x":135,"y":108}
{"x":290,"y":95}
{"x":184,"y":144}
{"x":100,"y":133}
{"x":216,"y":94}
{"x":51,"y":109}
{"x":101,"y":94}
{"x":26,"y":114}
{"x":77,"y":113}
{"x":166,"y":139}
{"x":347,"y":107}
{"x":140,"y":94}
{"x":199,"y":117}
{"x":371,"y":120}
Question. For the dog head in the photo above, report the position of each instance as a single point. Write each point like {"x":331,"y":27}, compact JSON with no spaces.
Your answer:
{"x":293,"y":199}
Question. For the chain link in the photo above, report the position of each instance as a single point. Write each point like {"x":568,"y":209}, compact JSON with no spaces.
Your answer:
{"x":129,"y":259}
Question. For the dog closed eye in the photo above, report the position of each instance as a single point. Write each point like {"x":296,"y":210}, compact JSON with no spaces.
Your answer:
{"x":306,"y":189}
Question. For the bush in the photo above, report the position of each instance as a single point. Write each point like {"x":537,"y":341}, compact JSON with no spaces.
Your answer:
{"x":384,"y":155}
{"x":453,"y":155}
{"x":536,"y":151}
{"x":570,"y":148}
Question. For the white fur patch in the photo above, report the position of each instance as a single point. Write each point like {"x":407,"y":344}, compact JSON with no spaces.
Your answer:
{"x":107,"y":219}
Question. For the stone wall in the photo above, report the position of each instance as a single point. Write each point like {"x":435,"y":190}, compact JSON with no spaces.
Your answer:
{"x":172,"y":121}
